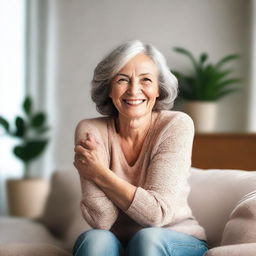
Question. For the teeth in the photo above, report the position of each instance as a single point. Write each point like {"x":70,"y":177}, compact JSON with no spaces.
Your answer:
{"x":134,"y":102}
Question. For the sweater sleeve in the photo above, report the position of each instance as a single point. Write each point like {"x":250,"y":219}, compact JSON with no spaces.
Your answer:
{"x":97,"y":209}
{"x":163,"y":198}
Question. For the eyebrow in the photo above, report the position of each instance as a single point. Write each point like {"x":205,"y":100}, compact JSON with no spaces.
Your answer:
{"x":143,"y":74}
{"x":120,"y":74}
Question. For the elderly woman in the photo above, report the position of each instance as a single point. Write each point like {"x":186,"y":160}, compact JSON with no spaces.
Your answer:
{"x":134,"y":163}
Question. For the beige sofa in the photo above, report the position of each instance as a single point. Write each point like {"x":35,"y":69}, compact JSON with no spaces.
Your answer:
{"x":224,"y":203}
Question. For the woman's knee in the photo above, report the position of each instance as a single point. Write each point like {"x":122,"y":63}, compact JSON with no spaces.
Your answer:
{"x":160,"y":241}
{"x":96,"y":241}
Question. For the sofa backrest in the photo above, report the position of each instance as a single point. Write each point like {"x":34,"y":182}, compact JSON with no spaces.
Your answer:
{"x":214,"y":194}
{"x":62,"y":214}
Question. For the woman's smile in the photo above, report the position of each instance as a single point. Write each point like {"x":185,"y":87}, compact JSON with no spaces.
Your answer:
{"x":134,"y":102}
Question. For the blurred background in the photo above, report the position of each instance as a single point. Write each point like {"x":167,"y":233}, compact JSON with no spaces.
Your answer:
{"x":49,"y":49}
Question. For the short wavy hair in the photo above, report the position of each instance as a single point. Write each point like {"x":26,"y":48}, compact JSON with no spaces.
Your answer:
{"x":115,"y":61}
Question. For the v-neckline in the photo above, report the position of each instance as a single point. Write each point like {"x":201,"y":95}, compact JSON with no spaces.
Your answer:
{"x":144,"y":145}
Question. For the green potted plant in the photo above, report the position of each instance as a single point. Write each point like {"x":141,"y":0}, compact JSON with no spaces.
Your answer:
{"x":204,"y":86}
{"x":26,"y":196}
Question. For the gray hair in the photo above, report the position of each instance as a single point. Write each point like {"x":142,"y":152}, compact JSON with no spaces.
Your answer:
{"x":116,"y":60}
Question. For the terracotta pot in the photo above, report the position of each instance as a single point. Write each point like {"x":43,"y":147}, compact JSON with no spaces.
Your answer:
{"x":203,"y":113}
{"x":27,"y":197}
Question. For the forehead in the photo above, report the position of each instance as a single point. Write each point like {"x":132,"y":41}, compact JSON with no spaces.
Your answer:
{"x":141,"y":63}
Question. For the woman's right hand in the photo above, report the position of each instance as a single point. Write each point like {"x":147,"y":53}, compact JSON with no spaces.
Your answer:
{"x":90,"y":157}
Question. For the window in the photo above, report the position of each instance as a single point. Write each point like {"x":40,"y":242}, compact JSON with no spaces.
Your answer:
{"x":12,"y":85}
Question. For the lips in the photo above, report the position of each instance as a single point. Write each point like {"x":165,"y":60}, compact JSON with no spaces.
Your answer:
{"x":134,"y":101}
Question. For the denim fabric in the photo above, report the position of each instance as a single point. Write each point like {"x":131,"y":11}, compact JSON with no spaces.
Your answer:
{"x":146,"y":242}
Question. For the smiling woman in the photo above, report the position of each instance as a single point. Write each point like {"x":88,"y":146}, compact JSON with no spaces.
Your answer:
{"x":134,"y":163}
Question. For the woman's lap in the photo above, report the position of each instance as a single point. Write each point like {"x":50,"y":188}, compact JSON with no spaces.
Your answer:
{"x":147,"y":241}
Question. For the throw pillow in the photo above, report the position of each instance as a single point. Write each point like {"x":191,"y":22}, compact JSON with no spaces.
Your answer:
{"x":241,"y":226}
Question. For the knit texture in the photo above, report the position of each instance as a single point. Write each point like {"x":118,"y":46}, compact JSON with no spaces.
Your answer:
{"x":160,"y":174}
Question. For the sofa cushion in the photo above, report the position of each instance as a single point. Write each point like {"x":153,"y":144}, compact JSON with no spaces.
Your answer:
{"x":234,"y":250}
{"x":31,"y":249}
{"x":14,"y":230}
{"x":214,"y":194}
{"x":241,"y":227}
{"x":62,"y":214}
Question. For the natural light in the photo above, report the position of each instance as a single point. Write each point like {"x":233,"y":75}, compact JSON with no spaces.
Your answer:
{"x":12,"y":77}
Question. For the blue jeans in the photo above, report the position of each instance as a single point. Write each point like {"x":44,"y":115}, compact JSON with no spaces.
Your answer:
{"x":153,"y":241}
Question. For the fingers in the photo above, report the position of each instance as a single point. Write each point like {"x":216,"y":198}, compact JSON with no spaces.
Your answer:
{"x":80,"y":154}
{"x":82,"y":149}
{"x":89,"y":143}
{"x":79,"y":149}
{"x":79,"y":159}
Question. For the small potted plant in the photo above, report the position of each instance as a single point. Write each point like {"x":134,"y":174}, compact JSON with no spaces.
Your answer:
{"x":26,"y":196}
{"x":204,"y":86}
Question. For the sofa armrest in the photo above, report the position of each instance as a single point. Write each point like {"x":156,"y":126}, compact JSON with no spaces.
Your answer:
{"x":247,"y":249}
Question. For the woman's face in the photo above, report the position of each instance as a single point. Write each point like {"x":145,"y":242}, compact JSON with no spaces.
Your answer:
{"x":135,"y":88}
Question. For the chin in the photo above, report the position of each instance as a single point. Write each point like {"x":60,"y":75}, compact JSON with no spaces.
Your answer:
{"x":136,"y":114}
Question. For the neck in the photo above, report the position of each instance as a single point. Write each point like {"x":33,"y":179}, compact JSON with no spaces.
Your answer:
{"x":135,"y":128}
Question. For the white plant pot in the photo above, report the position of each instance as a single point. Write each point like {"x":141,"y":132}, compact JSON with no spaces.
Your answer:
{"x":27,"y":197}
{"x":203,"y":113}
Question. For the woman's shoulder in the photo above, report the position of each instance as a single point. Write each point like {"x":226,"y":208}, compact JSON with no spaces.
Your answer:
{"x":175,"y":125}
{"x":97,"y":126}
{"x":96,"y":122}
{"x":171,"y":118}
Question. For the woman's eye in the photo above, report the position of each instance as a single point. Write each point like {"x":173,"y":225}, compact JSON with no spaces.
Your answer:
{"x":147,"y":79}
{"x":122,"y":80}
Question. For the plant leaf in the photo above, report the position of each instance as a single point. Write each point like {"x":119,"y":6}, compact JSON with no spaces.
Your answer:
{"x":227,"y":82}
{"x":225,"y":92}
{"x":38,"y":120}
{"x":203,"y":58}
{"x":5,"y":124}
{"x":188,"y":54}
{"x":20,"y":127}
{"x":30,"y":150}
{"x":27,"y":105}
{"x":42,"y":130}
{"x":226,"y":59}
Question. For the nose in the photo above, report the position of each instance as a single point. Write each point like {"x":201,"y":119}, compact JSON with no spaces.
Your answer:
{"x":134,"y":87}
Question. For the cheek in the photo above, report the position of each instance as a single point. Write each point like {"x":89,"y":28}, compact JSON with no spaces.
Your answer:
{"x":114,"y":95}
{"x":117,"y":92}
{"x":153,"y":92}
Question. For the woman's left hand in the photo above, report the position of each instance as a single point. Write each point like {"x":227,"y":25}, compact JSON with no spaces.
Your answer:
{"x":90,"y":158}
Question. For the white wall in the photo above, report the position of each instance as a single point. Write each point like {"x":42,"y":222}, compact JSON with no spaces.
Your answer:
{"x":84,"y":31}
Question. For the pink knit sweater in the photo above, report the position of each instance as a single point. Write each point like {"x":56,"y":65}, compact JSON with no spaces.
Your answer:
{"x":160,"y":174}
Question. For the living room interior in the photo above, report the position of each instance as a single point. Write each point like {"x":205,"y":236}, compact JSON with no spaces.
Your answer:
{"x":50,"y":49}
